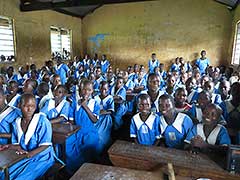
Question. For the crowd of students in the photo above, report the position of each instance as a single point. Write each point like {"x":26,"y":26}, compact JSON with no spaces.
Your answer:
{"x":189,"y":106}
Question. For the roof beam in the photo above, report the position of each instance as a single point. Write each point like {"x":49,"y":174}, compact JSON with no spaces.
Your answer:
{"x":33,"y":5}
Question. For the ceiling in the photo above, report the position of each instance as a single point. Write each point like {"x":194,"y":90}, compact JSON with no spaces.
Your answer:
{"x":80,"y":8}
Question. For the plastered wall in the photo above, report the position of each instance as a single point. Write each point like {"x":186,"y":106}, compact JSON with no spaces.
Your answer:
{"x":129,"y":33}
{"x":33,"y":32}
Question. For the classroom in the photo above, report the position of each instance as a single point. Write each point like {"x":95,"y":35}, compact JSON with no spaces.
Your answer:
{"x":119,"y":89}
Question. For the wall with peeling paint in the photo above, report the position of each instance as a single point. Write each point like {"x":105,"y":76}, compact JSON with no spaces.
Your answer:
{"x":129,"y":33}
{"x":33,"y":32}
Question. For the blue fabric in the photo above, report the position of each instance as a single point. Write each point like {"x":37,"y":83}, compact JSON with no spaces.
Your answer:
{"x":152,"y":65}
{"x":62,"y":71}
{"x":202,"y":64}
{"x":104,"y":66}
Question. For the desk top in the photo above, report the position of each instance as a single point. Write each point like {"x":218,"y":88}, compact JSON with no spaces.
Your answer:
{"x":65,"y":129}
{"x":95,"y":172}
{"x":9,"y":157}
{"x":131,"y":155}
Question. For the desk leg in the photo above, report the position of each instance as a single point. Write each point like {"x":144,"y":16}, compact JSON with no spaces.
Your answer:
{"x":6,"y":174}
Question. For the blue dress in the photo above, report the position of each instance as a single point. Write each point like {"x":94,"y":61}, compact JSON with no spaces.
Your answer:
{"x":176,"y":133}
{"x":15,"y":101}
{"x":104,"y":66}
{"x":39,"y":133}
{"x":82,"y":146}
{"x":62,"y":71}
{"x":152,"y":65}
{"x":146,"y":132}
{"x":202,"y":64}
{"x":120,"y":109}
{"x":104,"y":123}
{"x":218,"y":136}
{"x":6,"y":119}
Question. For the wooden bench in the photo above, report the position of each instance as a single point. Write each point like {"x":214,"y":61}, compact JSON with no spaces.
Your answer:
{"x":135,"y":156}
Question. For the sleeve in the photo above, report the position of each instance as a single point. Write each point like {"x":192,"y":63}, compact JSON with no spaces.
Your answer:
{"x":223,"y":137}
{"x":65,"y":110}
{"x":72,"y":110}
{"x":133,"y":129}
{"x":14,"y":138}
{"x":197,"y":62}
{"x":44,"y":132}
{"x":224,"y":109}
{"x":44,"y":109}
{"x":192,"y":133}
{"x":96,"y":110}
{"x":157,"y":127}
{"x":188,"y":124}
{"x":111,"y":104}
{"x":131,"y":86}
{"x":122,"y":94}
{"x":66,"y":68}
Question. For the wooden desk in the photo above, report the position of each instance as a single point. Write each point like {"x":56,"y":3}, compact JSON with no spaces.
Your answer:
{"x":130,"y":155}
{"x":95,"y":172}
{"x":8,"y":158}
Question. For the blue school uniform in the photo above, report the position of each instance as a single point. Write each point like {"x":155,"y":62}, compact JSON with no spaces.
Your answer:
{"x":218,"y":136}
{"x":195,"y":112}
{"x":202,"y":64}
{"x":104,"y":66}
{"x":52,"y":111}
{"x":20,"y":79}
{"x":152,"y":65}
{"x":62,"y":70}
{"x":175,"y":67}
{"x":129,"y":85}
{"x":104,"y":123}
{"x":120,"y":109}
{"x":193,"y":96}
{"x":15,"y":101}
{"x":39,"y":133}
{"x":176,"y":133}
{"x":146,"y":132}
{"x":142,"y":82}
{"x":82,"y":146}
{"x":227,"y":108}
{"x":6,"y":119}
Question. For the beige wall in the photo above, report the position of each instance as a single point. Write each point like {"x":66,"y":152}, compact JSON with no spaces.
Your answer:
{"x":129,"y":33}
{"x":33,"y":31}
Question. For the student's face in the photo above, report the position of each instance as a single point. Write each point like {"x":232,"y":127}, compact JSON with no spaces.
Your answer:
{"x":181,"y":96}
{"x":92,"y":77}
{"x":2,"y":99}
{"x":98,"y":72}
{"x":87,"y":91}
{"x":12,"y":88}
{"x":125,"y":78}
{"x":210,"y":115}
{"x":208,"y":86}
{"x":154,"y":83}
{"x":119,"y":83}
{"x":165,"y":106}
{"x":224,"y":88}
{"x":46,"y":78}
{"x":104,"y":90}
{"x":197,"y":76}
{"x":204,"y":80}
{"x":144,"y":105}
{"x":59,"y":93}
{"x":203,"y":53}
{"x":171,"y":81}
{"x":153,"y":57}
{"x":27,"y":88}
{"x":28,"y":107}
{"x":56,"y":81}
{"x":203,"y":100}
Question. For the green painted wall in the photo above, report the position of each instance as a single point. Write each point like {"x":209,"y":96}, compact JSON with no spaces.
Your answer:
{"x":33,"y":31}
{"x":129,"y":33}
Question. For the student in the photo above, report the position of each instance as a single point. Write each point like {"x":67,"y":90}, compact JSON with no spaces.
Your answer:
{"x":224,"y":89}
{"x":104,"y":123}
{"x":10,"y":73}
{"x":152,"y":63}
{"x":175,"y":66}
{"x":140,"y":83}
{"x":57,"y":108}
{"x":153,"y":84}
{"x":203,"y":62}
{"x":31,"y":135}
{"x":174,"y":126}
{"x":43,"y":93}
{"x":104,"y":64}
{"x":7,"y":116}
{"x":180,"y":97}
{"x":13,"y":97}
{"x":209,"y":134}
{"x":209,"y":86}
{"x":119,"y":95}
{"x":21,"y":76}
{"x":85,"y":113}
{"x":145,"y":125}
{"x":193,"y":91}
{"x":55,"y":81}
{"x":30,"y":86}
{"x":62,"y":70}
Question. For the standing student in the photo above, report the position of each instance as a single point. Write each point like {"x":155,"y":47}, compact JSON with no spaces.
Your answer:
{"x":7,"y":116}
{"x":104,"y":123}
{"x":203,"y":62}
{"x":31,"y":135}
{"x":152,"y":63}
{"x":145,"y":125}
{"x":174,"y":126}
{"x":85,"y":113}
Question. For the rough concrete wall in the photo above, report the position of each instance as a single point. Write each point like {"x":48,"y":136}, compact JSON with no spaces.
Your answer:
{"x":129,"y":33}
{"x":33,"y":32}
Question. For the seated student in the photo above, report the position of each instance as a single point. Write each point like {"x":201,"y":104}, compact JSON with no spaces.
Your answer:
{"x":224,"y":89}
{"x":208,"y":134}
{"x":30,"y":86}
{"x":192,"y":90}
{"x":21,"y":76}
{"x":3,"y":84}
{"x":119,"y":95}
{"x":152,"y":63}
{"x":209,"y":86}
{"x":31,"y":135}
{"x":163,"y":73}
{"x":197,"y":76}
{"x":171,"y":85}
{"x":176,"y":65}
{"x":55,"y":81}
{"x":104,"y":64}
{"x":84,"y":112}
{"x":104,"y":123}
{"x":153,"y":84}
{"x":174,"y":126}
{"x":13,"y":97}
{"x":57,"y":108}
{"x":10,"y":73}
{"x":110,"y":78}
{"x":140,"y":83}
{"x":203,"y":62}
{"x":180,"y":97}
{"x":134,"y":75}
{"x":204,"y":98}
{"x":145,"y":125}
{"x":79,"y":72}
{"x":7,"y":116}
{"x":62,"y":70}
